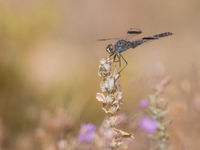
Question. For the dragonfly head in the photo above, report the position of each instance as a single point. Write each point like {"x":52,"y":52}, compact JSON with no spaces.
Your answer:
{"x":110,"y":49}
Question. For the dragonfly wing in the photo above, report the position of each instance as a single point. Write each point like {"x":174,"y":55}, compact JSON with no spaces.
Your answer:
{"x":134,"y":31}
{"x":130,"y":33}
{"x":106,"y":39}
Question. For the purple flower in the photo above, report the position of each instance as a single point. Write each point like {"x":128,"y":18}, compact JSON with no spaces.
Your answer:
{"x":86,"y":132}
{"x":148,"y":125}
{"x":144,"y":103}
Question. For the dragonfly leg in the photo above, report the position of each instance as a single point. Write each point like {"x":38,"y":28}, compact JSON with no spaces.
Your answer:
{"x":114,"y":58}
{"x":126,"y":63}
{"x":117,"y":59}
{"x":111,"y":55}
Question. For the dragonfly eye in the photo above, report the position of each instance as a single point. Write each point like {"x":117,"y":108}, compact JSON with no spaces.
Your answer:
{"x":109,"y":48}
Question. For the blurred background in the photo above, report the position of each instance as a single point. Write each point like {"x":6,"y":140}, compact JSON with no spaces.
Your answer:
{"x":49,"y":60}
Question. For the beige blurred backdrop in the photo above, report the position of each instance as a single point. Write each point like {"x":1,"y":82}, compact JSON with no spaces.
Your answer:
{"x":49,"y":55}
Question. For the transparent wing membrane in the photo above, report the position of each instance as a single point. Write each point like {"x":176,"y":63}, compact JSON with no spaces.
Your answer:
{"x":130,"y":33}
{"x":108,"y":39}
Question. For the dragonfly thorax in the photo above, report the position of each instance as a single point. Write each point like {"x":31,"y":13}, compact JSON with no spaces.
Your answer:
{"x":122,"y":45}
{"x":110,"y":49}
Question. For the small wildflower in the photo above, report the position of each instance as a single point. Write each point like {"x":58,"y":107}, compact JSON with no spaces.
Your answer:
{"x":124,"y":134}
{"x":108,"y":85}
{"x":148,"y":125}
{"x":158,"y":110}
{"x":144,"y":103}
{"x":100,"y":97}
{"x":104,"y":68}
{"x":86,"y":133}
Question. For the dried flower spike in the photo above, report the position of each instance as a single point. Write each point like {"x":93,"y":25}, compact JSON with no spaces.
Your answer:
{"x":111,"y":99}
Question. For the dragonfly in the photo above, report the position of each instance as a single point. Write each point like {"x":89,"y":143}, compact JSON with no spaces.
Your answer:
{"x":123,"y":44}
